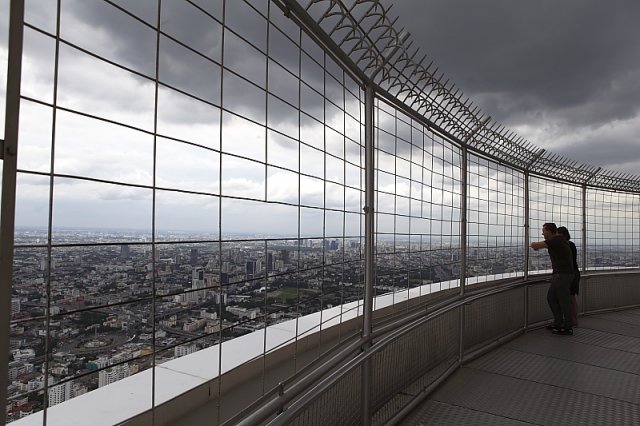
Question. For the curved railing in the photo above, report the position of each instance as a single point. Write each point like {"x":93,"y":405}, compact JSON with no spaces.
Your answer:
{"x":413,"y":354}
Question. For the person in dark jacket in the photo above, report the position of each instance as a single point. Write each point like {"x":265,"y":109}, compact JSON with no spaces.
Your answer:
{"x":574,"y":289}
{"x":558,"y":295}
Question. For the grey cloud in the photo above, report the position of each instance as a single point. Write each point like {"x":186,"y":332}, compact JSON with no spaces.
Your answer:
{"x":604,"y":151}
{"x":111,"y":33}
{"x":558,"y":53}
{"x":133,"y":44}
{"x":562,"y":67}
{"x":103,"y":29}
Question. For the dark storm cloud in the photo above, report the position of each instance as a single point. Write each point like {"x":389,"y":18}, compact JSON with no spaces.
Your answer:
{"x":604,"y":150}
{"x":549,"y":54}
{"x":548,"y":69}
{"x":564,"y":68}
{"x":108,"y":32}
{"x":133,"y":44}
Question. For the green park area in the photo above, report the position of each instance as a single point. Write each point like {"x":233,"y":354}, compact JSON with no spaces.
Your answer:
{"x":288,"y":294}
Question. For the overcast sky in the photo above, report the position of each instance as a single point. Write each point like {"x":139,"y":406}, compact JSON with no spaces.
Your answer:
{"x":565,"y":75}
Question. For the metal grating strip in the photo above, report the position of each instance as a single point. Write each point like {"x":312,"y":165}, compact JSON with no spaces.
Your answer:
{"x":604,"y":324}
{"x":533,"y":402}
{"x":438,"y":413}
{"x":627,"y":317}
{"x":590,"y":378}
{"x":560,"y":373}
{"x":581,"y":351}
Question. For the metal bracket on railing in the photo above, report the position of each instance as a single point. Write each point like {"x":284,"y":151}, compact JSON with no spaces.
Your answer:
{"x":280,"y":395}
{"x":1,"y":149}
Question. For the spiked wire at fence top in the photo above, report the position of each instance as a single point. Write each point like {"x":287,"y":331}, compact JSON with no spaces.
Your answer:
{"x":366,"y":35}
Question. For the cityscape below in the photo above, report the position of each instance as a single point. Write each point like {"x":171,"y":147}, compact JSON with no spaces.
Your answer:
{"x":107,"y":304}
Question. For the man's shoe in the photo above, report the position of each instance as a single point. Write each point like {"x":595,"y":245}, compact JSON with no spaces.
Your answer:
{"x":550,"y":326}
{"x":563,"y":331}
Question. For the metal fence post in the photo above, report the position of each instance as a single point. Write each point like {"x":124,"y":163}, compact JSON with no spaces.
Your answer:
{"x":583,"y":258}
{"x":527,"y":225}
{"x":9,"y":174}
{"x":369,"y":276}
{"x":464,"y":172}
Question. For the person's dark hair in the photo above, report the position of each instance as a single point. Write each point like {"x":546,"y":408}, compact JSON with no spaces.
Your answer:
{"x":550,"y":226}
{"x":564,"y":232}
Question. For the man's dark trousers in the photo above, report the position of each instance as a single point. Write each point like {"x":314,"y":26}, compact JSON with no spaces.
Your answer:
{"x":559,"y":300}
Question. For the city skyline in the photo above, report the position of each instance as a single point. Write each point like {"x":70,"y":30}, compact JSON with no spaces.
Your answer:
{"x":97,"y":309}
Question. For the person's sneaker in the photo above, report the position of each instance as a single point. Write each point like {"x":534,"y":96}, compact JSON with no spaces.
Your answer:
{"x":550,"y":326}
{"x":563,"y":331}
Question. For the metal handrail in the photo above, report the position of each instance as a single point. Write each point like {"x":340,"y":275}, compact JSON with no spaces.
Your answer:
{"x":386,"y":334}
{"x":394,"y":331}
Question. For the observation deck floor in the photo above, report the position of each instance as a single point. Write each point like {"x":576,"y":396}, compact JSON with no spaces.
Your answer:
{"x":590,"y":378}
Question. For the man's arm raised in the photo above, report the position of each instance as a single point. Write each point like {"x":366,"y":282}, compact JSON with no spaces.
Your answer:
{"x":539,"y":245}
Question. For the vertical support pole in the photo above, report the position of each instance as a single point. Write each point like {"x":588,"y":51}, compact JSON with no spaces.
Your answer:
{"x":583,"y":255}
{"x":464,"y":173}
{"x":9,"y":177}
{"x":527,"y":226}
{"x":154,"y":200}
{"x":369,"y":273}
{"x":527,"y":237}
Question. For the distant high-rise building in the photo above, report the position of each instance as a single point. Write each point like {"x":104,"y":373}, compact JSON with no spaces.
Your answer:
{"x":284,"y":254}
{"x":197,"y":275}
{"x":113,"y":374}
{"x":15,"y":305}
{"x":250,"y":268}
{"x":124,"y":251}
{"x":59,"y":393}
{"x":269,"y":262}
{"x":198,"y":282}
{"x":44,"y":264}
{"x":182,"y":350}
{"x":194,"y":256}
{"x":219,"y":297}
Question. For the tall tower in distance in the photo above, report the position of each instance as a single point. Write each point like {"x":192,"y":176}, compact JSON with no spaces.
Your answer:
{"x":250,"y":269}
{"x":194,"y":256}
{"x":284,"y":254}
{"x":269,"y":262}
{"x":124,"y":251}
